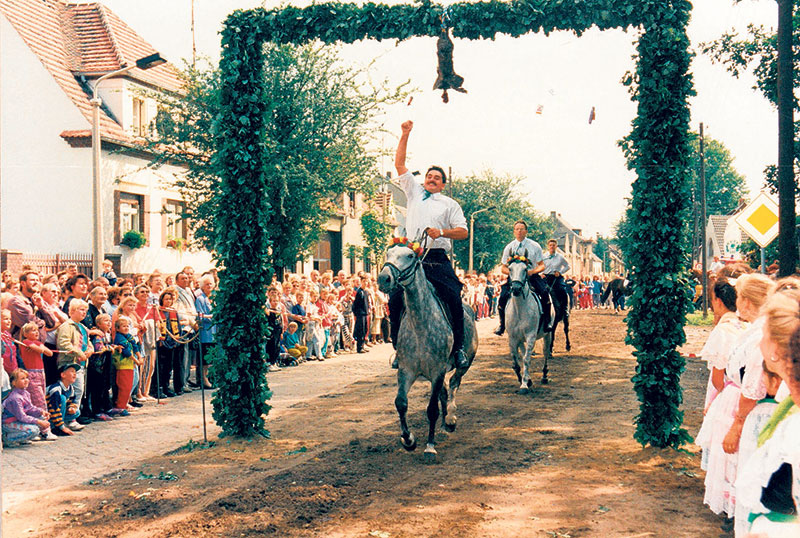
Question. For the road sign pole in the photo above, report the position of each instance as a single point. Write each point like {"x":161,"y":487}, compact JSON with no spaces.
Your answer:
{"x":763,"y":262}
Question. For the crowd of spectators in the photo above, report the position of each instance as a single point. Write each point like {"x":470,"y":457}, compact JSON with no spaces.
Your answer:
{"x":77,"y":351}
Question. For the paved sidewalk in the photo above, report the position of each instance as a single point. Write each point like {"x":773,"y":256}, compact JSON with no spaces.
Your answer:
{"x":154,"y":429}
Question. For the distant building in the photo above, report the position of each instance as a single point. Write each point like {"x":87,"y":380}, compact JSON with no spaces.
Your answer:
{"x":724,"y":238}
{"x":51,"y":55}
{"x":575,"y":248}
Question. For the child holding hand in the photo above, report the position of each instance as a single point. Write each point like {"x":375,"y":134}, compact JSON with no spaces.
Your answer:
{"x":31,"y":351}
{"x":98,"y":371}
{"x":23,"y":421}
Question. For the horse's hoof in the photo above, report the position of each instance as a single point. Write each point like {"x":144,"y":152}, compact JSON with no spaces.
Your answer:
{"x":430,"y":454}
{"x":450,"y":427}
{"x":545,"y":381}
{"x":412,"y":443}
{"x":530,"y":383}
{"x":569,"y":347}
{"x":523,"y":391}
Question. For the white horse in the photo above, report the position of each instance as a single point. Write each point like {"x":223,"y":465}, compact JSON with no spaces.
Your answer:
{"x":522,"y":325}
{"x":423,"y":344}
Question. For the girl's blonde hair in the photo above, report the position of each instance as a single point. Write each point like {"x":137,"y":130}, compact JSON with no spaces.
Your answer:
{"x":30,"y":326}
{"x":782,"y":311}
{"x":754,"y":287}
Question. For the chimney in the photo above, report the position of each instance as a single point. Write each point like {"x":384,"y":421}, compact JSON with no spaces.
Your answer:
{"x":553,"y":215}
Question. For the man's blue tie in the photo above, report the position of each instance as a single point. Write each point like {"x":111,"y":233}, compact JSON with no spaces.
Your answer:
{"x":426,"y":194}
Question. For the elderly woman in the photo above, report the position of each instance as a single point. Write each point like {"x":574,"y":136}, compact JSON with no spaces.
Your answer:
{"x":768,"y":485}
{"x":751,"y":294}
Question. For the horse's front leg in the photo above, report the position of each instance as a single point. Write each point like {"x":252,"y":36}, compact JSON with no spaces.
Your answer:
{"x":404,"y":382}
{"x":525,"y":382}
{"x":433,"y":418}
{"x":566,"y":331}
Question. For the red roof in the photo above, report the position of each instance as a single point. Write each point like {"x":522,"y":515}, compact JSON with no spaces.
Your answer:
{"x":73,"y":40}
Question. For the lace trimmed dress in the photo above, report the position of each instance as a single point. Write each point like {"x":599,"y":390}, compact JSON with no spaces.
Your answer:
{"x":728,"y":348}
{"x":780,"y":450}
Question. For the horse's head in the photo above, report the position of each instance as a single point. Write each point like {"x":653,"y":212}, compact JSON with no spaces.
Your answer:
{"x":518,"y":274}
{"x":402,"y":261}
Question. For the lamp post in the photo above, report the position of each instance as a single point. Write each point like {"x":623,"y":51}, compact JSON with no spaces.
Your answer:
{"x":472,"y":232}
{"x":97,"y":206}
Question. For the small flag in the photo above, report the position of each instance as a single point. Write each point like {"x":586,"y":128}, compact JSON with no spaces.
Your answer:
{"x":592,"y":116}
{"x":540,"y":109}
{"x":410,"y":99}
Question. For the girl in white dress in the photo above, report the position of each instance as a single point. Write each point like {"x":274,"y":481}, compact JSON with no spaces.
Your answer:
{"x":751,"y":294}
{"x":769,"y":482}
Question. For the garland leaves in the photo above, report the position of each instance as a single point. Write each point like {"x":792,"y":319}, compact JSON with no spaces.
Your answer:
{"x":661,"y":87}
{"x":658,"y":208}
{"x":241,"y":244}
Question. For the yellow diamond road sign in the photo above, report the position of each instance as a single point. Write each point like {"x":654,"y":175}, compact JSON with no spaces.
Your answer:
{"x":759,"y":219}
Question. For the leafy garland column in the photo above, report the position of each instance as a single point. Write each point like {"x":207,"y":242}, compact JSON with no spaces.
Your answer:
{"x":660,"y":196}
{"x":241,"y":243}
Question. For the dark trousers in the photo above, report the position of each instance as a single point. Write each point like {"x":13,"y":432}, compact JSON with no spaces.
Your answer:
{"x":439,"y":272}
{"x":360,"y":331}
{"x":51,"y":374}
{"x":98,"y":384}
{"x":170,"y":361}
{"x":274,"y":345}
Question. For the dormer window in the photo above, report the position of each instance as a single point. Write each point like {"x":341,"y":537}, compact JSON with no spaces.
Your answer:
{"x":139,"y":117}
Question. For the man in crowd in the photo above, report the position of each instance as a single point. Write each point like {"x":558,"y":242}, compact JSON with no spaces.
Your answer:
{"x":360,"y":314}
{"x":25,"y":306}
{"x":185,"y":305}
{"x":443,"y":218}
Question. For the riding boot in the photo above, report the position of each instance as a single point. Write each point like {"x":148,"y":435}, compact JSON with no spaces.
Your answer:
{"x":396,"y":309}
{"x":505,"y":293}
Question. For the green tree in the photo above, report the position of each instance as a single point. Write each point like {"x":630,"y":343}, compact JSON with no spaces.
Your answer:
{"x":320,"y":124}
{"x":376,"y":231}
{"x":493,"y":229}
{"x":725,"y":188}
{"x":314,"y":118}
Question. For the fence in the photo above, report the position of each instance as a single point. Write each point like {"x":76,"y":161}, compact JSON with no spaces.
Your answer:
{"x":46,"y":263}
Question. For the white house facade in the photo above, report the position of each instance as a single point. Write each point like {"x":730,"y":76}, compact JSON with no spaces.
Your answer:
{"x":51,"y":54}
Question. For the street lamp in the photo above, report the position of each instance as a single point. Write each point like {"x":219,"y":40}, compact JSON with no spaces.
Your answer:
{"x":472,"y":231}
{"x":97,"y":238}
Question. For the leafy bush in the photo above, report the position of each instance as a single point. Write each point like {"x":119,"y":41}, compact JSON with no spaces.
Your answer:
{"x":133,"y":239}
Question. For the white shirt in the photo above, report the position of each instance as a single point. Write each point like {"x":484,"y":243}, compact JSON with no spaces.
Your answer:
{"x":438,"y":211}
{"x":527,"y":247}
{"x":555,"y":262}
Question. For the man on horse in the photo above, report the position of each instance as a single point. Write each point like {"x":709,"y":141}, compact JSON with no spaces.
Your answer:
{"x":555,"y":265}
{"x":530,"y":250}
{"x":444,"y":219}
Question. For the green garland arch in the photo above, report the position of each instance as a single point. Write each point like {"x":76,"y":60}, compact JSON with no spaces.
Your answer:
{"x":661,"y":87}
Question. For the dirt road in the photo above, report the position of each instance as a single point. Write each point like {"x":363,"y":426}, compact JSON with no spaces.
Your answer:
{"x":560,"y":462}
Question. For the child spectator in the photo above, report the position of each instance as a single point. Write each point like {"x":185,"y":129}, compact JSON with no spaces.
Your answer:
{"x":74,"y":346}
{"x":291,"y":343}
{"x":276,"y":320}
{"x":126,"y":356}
{"x":108,"y":273}
{"x":23,"y":421}
{"x":31,"y":352}
{"x":98,"y":372}
{"x":61,"y":404}
{"x":9,"y":351}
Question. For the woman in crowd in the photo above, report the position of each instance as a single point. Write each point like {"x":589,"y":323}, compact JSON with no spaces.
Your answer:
{"x":50,"y":304}
{"x":768,"y":485}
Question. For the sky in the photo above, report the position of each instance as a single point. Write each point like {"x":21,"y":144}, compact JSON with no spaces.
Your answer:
{"x":568,"y":165}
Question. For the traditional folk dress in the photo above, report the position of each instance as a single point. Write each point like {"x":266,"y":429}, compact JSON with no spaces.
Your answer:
{"x":748,"y":444}
{"x":720,"y":466}
{"x":758,"y":483}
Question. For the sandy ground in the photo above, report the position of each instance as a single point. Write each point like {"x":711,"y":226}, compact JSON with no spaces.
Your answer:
{"x":559,"y":462}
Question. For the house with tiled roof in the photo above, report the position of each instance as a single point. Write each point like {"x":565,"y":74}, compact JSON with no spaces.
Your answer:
{"x":723,"y":238}
{"x":575,"y":248}
{"x":52,"y":53}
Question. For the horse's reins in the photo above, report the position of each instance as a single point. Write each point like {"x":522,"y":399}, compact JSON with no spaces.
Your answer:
{"x":403,"y":276}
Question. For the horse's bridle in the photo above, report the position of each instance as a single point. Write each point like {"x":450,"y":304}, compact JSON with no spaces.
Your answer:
{"x":404,"y":276}
{"x":522,"y":282}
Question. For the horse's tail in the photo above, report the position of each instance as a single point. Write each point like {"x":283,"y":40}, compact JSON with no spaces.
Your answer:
{"x":606,"y":293}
